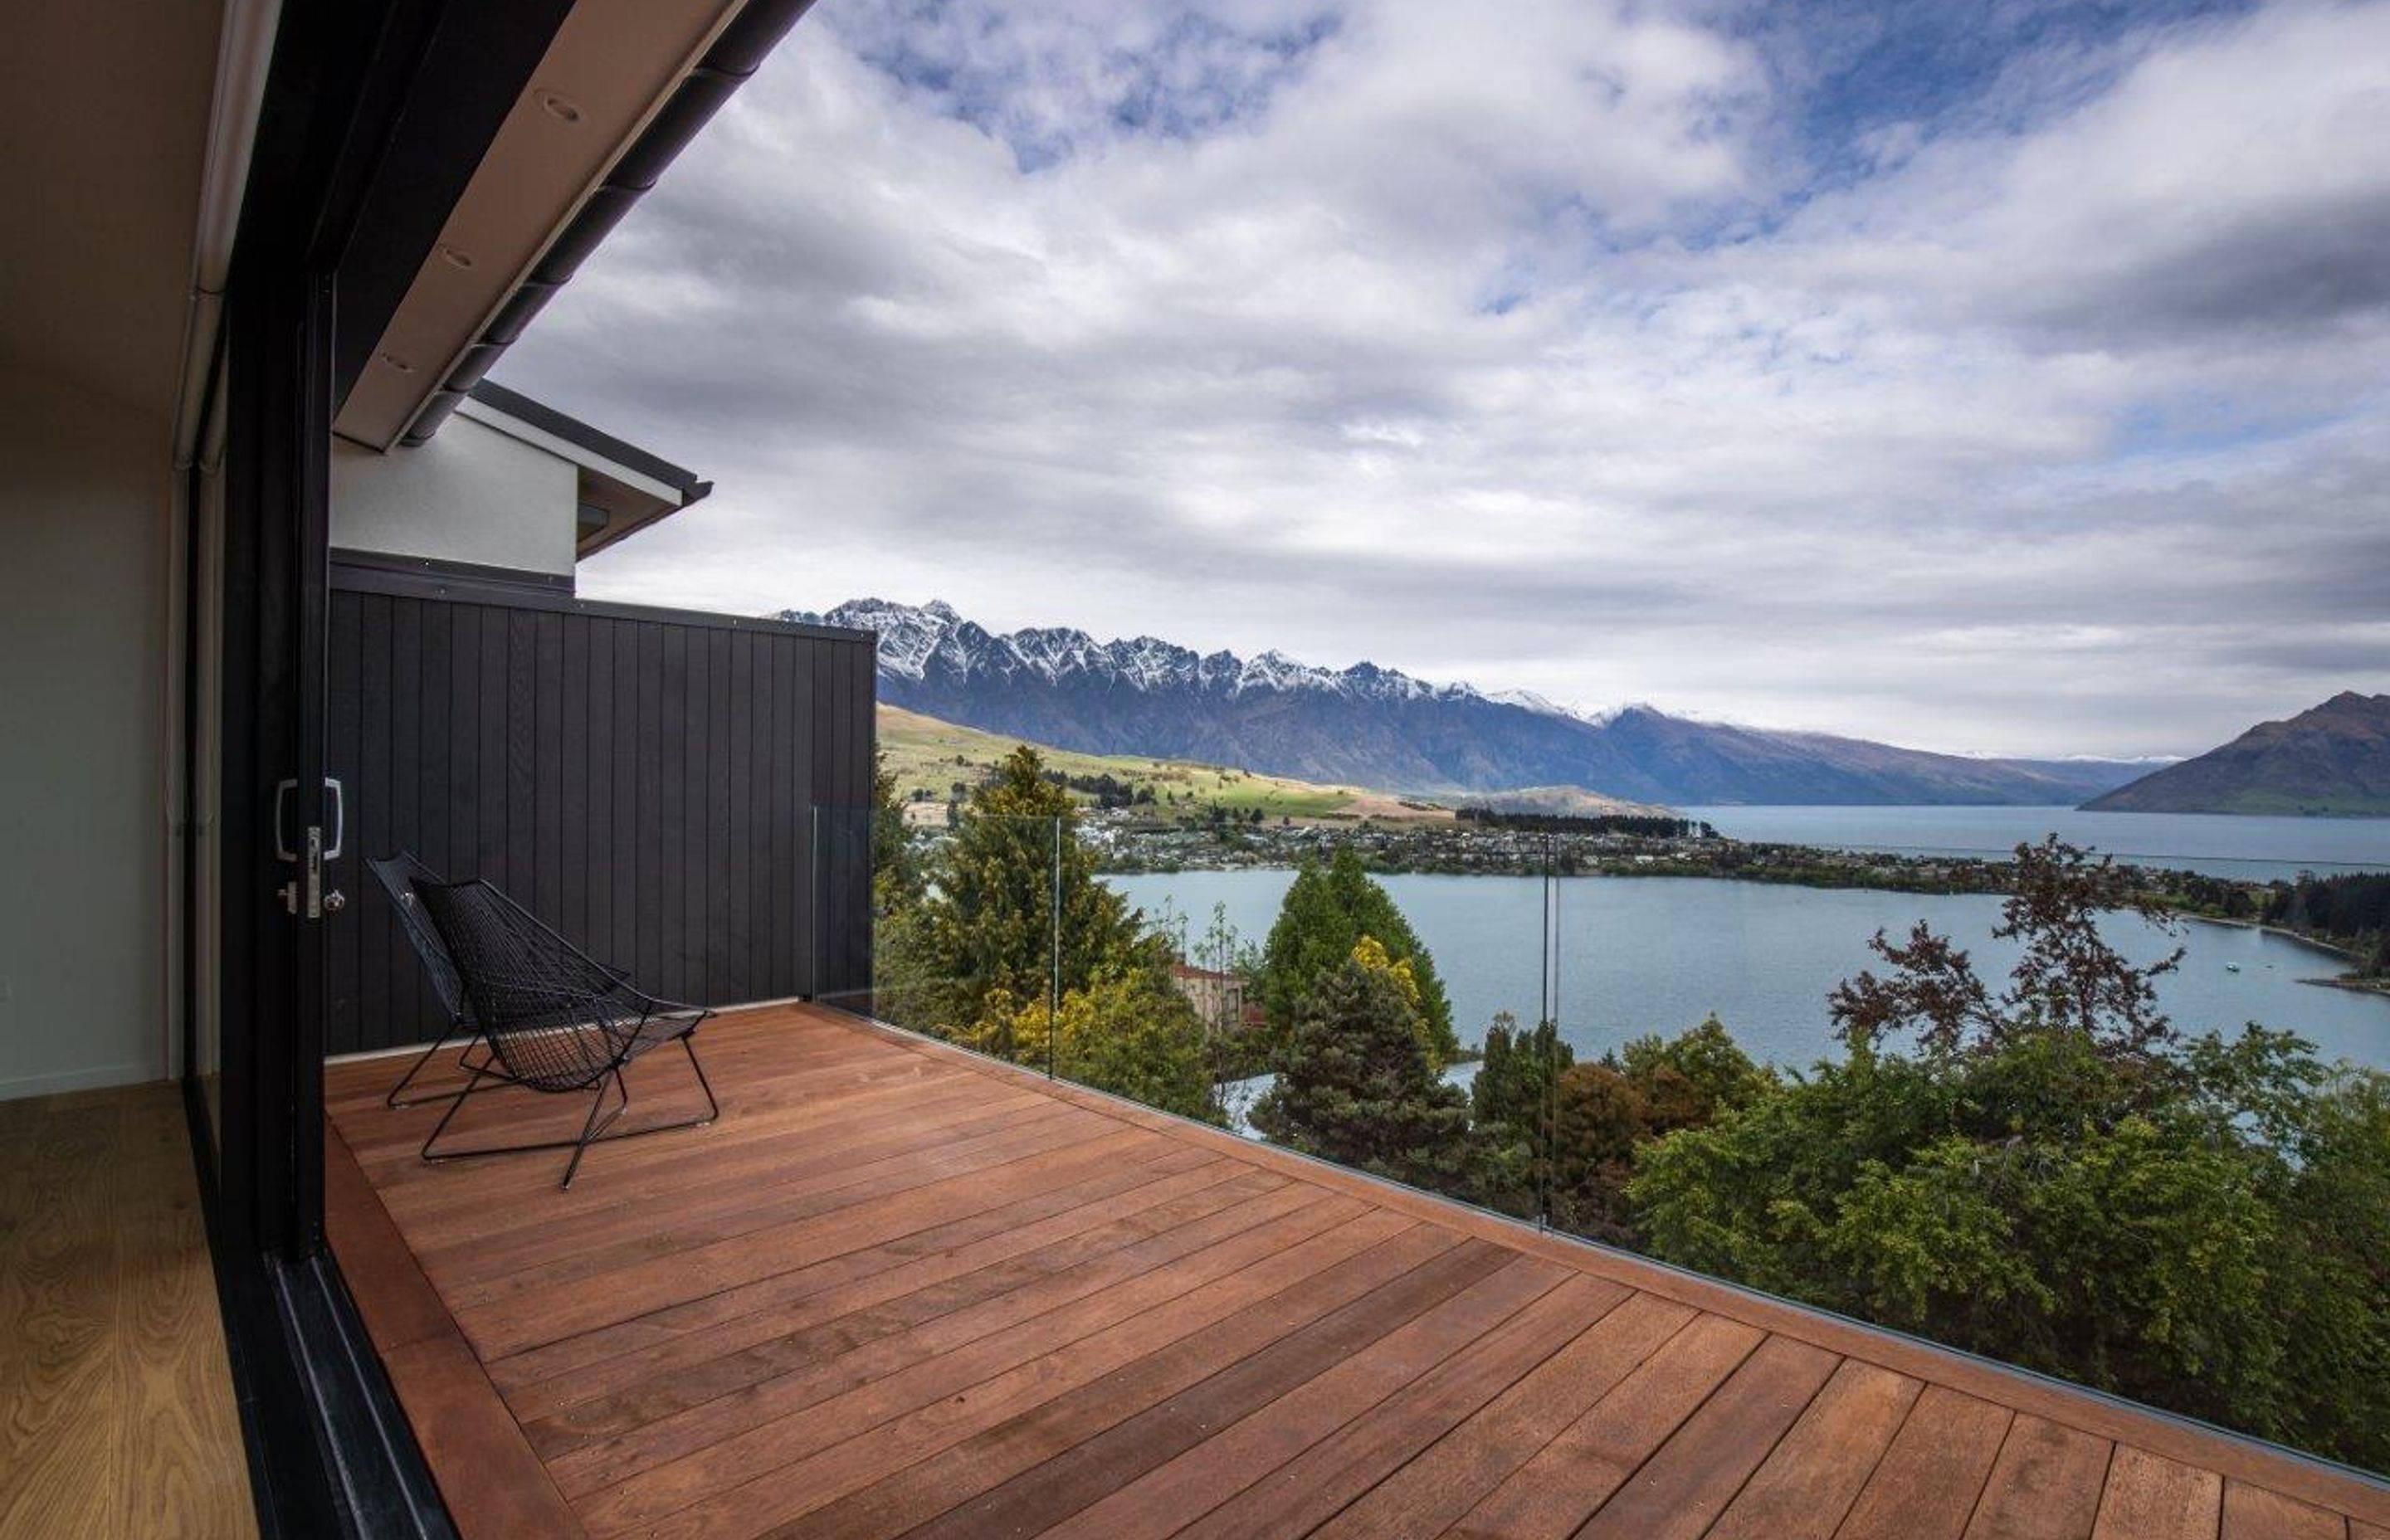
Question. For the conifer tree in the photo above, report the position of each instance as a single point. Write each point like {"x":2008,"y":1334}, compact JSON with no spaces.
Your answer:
{"x":1014,"y":905}
{"x":1357,"y":1087}
{"x":1327,"y":912}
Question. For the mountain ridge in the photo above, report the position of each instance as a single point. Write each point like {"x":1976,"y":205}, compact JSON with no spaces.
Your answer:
{"x":1371,"y":726}
{"x":2329,"y":760}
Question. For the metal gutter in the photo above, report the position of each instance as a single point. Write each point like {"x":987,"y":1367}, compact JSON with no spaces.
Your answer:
{"x":741,"y":49}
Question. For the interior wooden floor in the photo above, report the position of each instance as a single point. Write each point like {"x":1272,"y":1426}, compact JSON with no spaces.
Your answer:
{"x":900,"y":1291}
{"x":117,"y":1415}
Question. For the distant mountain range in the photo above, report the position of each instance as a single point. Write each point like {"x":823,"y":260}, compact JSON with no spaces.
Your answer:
{"x":1367,"y":726}
{"x":2334,"y":760}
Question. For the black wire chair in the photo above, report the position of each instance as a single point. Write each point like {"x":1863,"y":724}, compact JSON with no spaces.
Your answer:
{"x":398,"y":875}
{"x":553,"y":1017}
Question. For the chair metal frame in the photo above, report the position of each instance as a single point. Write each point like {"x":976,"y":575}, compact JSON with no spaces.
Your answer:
{"x":551,"y":1018}
{"x":398,"y":873}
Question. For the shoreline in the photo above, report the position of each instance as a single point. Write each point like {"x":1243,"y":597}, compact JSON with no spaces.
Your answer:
{"x":2263,"y":928}
{"x":2354,"y":983}
{"x":2348,"y":981}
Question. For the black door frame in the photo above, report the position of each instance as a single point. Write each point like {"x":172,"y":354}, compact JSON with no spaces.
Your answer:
{"x":362,"y":103}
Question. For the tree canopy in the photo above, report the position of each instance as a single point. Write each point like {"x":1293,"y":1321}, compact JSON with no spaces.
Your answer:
{"x":1130,"y":1033}
{"x":1327,"y":912}
{"x":1357,"y":1087}
{"x":2050,"y":1174}
{"x":1012,"y":903}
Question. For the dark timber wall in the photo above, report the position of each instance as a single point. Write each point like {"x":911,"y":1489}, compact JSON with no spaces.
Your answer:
{"x":645,"y":780}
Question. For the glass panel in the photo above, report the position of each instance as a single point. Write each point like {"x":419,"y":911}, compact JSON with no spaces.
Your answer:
{"x":964,"y":943}
{"x":1734,"y":1058}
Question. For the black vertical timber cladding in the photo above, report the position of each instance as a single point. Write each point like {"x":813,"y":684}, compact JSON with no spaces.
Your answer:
{"x":647,"y":781}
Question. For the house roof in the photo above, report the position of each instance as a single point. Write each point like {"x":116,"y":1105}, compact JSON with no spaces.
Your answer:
{"x":618,"y":94}
{"x":622,"y":488}
{"x":594,"y":441}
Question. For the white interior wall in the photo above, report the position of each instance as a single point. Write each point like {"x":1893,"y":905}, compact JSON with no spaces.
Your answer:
{"x":472,"y":495}
{"x":84,"y":607}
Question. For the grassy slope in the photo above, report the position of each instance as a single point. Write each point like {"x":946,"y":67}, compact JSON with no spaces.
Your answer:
{"x":928,"y":754}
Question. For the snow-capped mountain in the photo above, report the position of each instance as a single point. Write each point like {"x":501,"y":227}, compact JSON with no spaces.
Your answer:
{"x":928,"y":642}
{"x":1367,"y":725}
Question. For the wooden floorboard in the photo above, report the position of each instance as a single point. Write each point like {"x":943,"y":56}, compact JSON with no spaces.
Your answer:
{"x":117,"y":1412}
{"x":1809,"y":1480}
{"x":1928,"y":1484}
{"x":2045,"y":1482}
{"x":899,"y":1290}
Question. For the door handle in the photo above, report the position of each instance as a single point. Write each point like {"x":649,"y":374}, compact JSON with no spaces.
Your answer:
{"x":283,"y":849}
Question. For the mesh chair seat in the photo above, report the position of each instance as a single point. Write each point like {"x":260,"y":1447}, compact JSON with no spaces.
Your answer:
{"x":560,"y":1046}
{"x":554,"y":1018}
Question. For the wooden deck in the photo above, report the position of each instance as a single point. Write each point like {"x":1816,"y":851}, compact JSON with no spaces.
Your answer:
{"x":900,"y":1291}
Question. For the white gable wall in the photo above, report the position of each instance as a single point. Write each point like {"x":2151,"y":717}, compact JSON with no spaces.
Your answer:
{"x":472,"y":494}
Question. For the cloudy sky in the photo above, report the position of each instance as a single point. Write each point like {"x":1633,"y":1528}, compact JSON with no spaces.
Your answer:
{"x":1999,"y":377}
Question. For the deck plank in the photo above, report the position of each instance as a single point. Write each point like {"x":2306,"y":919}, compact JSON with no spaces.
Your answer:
{"x":896,"y":1290}
{"x":1359,"y":1457}
{"x":1929,"y":1482}
{"x":2044,"y":1487}
{"x":784,"y":1418}
{"x":1809,"y":1480}
{"x":1172,"y":1447}
{"x":611,"y":1357}
{"x":1560,"y":1486}
{"x":868,"y":1457}
{"x":881,"y":1276}
{"x":2254,"y":1513}
{"x":1233,"y":1454}
{"x":2152,"y":1497}
{"x":1689,"y":1481}
{"x":979,"y":1302}
{"x":915,"y":1496}
{"x":1431,"y":1492}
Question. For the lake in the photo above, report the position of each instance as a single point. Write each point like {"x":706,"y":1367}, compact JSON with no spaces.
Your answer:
{"x":1645,"y":954}
{"x":2255,"y":848}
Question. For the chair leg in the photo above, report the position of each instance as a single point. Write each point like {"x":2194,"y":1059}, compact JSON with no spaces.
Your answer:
{"x":464,"y":1061}
{"x":593,"y":1126}
{"x":455,"y":1102}
{"x":594,"y":1129}
{"x":415,"y":1069}
{"x":712,"y":1107}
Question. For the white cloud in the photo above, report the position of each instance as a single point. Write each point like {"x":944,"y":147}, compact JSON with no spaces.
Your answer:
{"x":1522,"y":354}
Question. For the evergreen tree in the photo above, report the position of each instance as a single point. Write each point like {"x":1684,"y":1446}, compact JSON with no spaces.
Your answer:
{"x":1514,"y":1080}
{"x":895,"y":864}
{"x":1325,"y":914}
{"x":1699,"y":1073}
{"x":1014,"y":904}
{"x":1511,"y":1110}
{"x":1357,"y":1087}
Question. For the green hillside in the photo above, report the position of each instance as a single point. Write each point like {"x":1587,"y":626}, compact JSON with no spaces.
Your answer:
{"x":930,"y":759}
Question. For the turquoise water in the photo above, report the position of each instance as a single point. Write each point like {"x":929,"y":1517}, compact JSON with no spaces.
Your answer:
{"x":1659,"y":954}
{"x":2257,"y":848}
